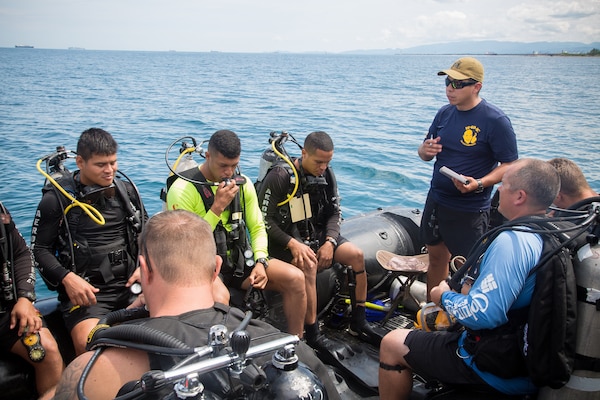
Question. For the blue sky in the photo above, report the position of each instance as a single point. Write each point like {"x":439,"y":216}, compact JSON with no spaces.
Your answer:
{"x":286,"y":25}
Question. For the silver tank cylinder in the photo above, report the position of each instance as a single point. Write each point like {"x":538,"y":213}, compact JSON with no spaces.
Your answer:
{"x":584,"y":385}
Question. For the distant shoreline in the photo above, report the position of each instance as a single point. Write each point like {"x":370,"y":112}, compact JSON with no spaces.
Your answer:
{"x":592,"y":53}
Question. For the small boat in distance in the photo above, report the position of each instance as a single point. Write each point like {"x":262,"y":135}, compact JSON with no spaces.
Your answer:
{"x":23,"y":46}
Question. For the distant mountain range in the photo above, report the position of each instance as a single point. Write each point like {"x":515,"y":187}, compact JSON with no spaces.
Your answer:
{"x":490,"y":47}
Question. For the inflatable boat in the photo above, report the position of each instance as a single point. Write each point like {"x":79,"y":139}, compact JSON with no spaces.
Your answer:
{"x":396,"y":265}
{"x":354,"y":363}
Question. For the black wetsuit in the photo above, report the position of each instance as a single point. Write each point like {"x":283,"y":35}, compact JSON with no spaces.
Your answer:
{"x":324,"y":204}
{"x":104,"y":255}
{"x":22,"y":272}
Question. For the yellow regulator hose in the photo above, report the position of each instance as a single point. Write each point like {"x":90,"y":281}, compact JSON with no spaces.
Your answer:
{"x":183,"y":153}
{"x":291,"y":164}
{"x":93,"y":213}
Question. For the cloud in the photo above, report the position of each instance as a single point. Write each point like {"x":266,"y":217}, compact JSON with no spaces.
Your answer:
{"x":309,"y":25}
{"x":577,"y":21}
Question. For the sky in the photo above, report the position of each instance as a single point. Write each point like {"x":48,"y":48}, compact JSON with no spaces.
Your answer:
{"x":290,"y":25}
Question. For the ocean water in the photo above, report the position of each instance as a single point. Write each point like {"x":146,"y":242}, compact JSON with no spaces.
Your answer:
{"x":376,"y":108}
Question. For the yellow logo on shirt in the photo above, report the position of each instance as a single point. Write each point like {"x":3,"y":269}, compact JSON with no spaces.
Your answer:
{"x":469,"y":137}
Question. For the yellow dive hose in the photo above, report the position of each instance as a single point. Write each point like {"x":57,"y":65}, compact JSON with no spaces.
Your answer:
{"x":291,"y":164}
{"x":183,"y":153}
{"x":93,"y":213}
{"x":372,"y":306}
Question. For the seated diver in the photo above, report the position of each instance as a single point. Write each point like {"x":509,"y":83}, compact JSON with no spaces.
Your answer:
{"x":176,"y":265}
{"x":22,"y":328}
{"x":233,"y":212}
{"x":502,"y":282}
{"x":575,"y":190}
{"x":313,"y":242}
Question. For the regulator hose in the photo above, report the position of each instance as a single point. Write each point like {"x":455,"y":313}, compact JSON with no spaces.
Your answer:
{"x":521,"y":226}
{"x":92,"y":212}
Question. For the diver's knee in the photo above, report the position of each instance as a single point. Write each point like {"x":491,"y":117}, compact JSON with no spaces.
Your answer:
{"x":393,"y":344}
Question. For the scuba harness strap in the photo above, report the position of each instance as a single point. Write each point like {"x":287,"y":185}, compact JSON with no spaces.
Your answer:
{"x":233,"y":247}
{"x":134,"y":220}
{"x":309,"y":227}
{"x":6,"y":258}
{"x":534,"y":224}
{"x":134,"y":216}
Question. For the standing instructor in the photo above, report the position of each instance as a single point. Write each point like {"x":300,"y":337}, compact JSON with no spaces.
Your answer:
{"x":475,"y":139}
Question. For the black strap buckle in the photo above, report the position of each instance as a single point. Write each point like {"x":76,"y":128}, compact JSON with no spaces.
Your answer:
{"x":256,"y":301}
{"x":117,"y":257}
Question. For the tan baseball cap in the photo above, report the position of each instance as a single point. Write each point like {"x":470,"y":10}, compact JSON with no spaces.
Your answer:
{"x":465,"y":68}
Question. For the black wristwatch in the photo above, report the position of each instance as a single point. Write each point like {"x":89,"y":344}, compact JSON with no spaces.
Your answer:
{"x":28,"y":295}
{"x":332,"y":241}
{"x":479,"y":186}
{"x":263,"y":261}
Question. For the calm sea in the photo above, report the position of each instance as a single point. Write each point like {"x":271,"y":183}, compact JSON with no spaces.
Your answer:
{"x":377,"y":109}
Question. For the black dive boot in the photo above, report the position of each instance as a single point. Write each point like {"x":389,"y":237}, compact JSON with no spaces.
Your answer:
{"x":311,"y":334}
{"x":314,"y":338}
{"x":358,"y":324}
{"x":360,"y":327}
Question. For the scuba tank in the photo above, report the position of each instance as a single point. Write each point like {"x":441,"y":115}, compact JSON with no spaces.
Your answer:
{"x":269,"y":157}
{"x":290,"y":379}
{"x":418,"y":290}
{"x":185,"y":161}
{"x":267,"y":160}
{"x":276,"y":153}
{"x":584,"y":383}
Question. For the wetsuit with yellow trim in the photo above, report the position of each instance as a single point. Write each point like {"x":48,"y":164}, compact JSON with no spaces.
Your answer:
{"x":324,"y":223}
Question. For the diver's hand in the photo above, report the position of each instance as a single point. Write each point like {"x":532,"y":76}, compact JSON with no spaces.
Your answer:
{"x":139,"y":301}
{"x":258,"y":277}
{"x":436,"y":292}
{"x":27,"y":316}
{"x":325,"y":256}
{"x":80,"y":292}
{"x":223,"y":197}
{"x":135,"y":277}
{"x":303,"y":257}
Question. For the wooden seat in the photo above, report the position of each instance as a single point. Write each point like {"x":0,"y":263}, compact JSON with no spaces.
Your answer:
{"x":408,"y":266}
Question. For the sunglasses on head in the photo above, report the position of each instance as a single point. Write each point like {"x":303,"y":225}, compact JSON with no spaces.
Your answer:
{"x":460,"y":84}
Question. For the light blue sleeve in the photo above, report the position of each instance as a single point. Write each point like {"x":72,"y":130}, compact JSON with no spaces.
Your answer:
{"x":503,"y":282}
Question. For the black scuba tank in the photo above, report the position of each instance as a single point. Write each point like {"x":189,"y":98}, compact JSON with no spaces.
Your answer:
{"x":290,"y":379}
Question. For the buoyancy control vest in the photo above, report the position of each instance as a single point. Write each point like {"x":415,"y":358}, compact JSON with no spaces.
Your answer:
{"x":171,"y":340}
{"x":7,"y":281}
{"x":234,"y":245}
{"x":538,"y":340}
{"x":322,"y":195}
{"x":96,"y":252}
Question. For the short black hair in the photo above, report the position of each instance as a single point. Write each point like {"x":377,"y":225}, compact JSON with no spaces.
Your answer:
{"x":96,"y":141}
{"x":225,"y":142}
{"x":318,"y":140}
